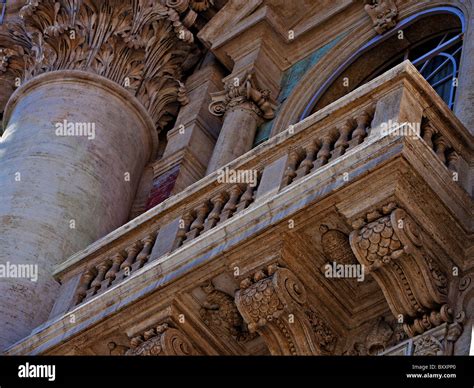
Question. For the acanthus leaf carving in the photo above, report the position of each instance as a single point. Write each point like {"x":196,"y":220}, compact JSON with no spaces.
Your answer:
{"x":141,"y":45}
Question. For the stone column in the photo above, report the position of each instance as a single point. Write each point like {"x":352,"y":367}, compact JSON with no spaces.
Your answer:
{"x":70,"y":168}
{"x":244,"y":106}
{"x":78,"y":133}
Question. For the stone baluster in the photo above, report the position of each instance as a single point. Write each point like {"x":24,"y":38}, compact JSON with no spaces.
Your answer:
{"x":308,"y":163}
{"x":217,"y":204}
{"x":231,"y":205}
{"x":453,"y":160}
{"x":325,"y":151}
{"x":84,"y":284}
{"x":126,"y":265}
{"x":428,"y":132}
{"x":343,"y":141}
{"x":290,"y":173}
{"x":102,"y":269}
{"x":441,"y":146}
{"x":247,"y":198}
{"x":111,"y":274}
{"x":144,"y":254}
{"x":198,"y":225}
{"x":360,"y":133}
{"x":132,"y":252}
{"x":183,"y":229}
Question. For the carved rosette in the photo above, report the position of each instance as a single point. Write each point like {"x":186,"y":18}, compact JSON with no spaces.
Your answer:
{"x":384,"y":14}
{"x":161,"y":341}
{"x":391,"y":245}
{"x":139,"y":44}
{"x":272,"y":303}
{"x":243,"y":94}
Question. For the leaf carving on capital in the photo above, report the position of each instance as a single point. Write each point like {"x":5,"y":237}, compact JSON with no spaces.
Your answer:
{"x":384,"y":14}
{"x":246,"y":94}
{"x":393,"y":248}
{"x":139,"y":44}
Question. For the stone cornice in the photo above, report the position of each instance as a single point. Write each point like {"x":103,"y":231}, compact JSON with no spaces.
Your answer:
{"x":142,"y":46}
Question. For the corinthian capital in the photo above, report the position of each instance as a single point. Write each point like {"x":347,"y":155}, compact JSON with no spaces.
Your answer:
{"x":273,"y":303}
{"x":141,"y":45}
{"x":383,"y":13}
{"x":396,"y":252}
{"x":244,"y":94}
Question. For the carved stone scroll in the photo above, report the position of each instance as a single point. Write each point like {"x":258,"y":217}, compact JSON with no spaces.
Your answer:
{"x":272,"y":303}
{"x":161,"y":341}
{"x":244,"y":94}
{"x":392,"y":246}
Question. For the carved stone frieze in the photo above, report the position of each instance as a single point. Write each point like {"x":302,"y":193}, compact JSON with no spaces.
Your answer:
{"x":244,"y":94}
{"x":162,"y":340}
{"x":392,"y":246}
{"x":141,"y":45}
{"x":383,"y":13}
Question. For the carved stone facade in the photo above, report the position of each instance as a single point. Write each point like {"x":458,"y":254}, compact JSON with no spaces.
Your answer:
{"x":246,"y":185}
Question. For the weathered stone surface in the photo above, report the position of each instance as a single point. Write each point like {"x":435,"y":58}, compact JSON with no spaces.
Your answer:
{"x":347,"y":236}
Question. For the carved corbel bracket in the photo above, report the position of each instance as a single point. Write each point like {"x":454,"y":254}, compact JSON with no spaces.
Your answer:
{"x":384,"y":14}
{"x":246,"y":94}
{"x":272,"y":302}
{"x":397,"y":254}
{"x":162,"y":340}
{"x":220,"y":313}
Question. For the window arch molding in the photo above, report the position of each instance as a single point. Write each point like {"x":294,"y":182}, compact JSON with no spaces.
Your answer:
{"x":303,"y":99}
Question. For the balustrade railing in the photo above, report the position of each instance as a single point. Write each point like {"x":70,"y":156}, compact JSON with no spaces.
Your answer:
{"x":319,"y":140}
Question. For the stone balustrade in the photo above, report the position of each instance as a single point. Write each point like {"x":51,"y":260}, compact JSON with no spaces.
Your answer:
{"x":330,"y":134}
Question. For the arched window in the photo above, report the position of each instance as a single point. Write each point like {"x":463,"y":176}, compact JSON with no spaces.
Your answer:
{"x":431,"y":39}
{"x":3,"y":7}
